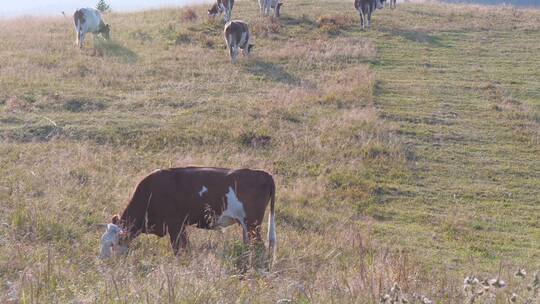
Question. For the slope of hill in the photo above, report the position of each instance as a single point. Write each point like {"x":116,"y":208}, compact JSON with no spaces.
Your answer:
{"x":406,"y":154}
{"x":531,"y":3}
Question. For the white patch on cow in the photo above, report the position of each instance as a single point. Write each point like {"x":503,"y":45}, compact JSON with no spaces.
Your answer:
{"x":109,"y":240}
{"x":233,"y":213}
{"x":203,"y":191}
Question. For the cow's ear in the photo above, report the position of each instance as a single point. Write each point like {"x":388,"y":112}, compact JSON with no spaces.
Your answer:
{"x":115,"y":219}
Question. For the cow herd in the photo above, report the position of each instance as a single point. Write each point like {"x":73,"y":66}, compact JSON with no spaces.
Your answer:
{"x":168,"y":200}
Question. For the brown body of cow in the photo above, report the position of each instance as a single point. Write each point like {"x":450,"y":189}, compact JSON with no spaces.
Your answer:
{"x":168,"y":200}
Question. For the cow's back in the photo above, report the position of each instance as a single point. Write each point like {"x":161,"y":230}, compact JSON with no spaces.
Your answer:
{"x":187,"y":193}
{"x":233,"y":32}
{"x":195,"y":195}
{"x":92,"y":18}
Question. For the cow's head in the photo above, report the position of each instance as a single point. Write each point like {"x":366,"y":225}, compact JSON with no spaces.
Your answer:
{"x":213,"y":11}
{"x":115,"y":240}
{"x":247,"y":50}
{"x":278,"y":7}
{"x":106,"y":31}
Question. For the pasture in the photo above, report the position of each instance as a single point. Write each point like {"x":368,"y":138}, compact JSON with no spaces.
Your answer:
{"x":408,"y":153}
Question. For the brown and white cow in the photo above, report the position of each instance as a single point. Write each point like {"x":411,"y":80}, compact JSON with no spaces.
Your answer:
{"x":88,"y":20}
{"x":168,"y":200}
{"x":237,"y":36}
{"x":365,"y":8}
{"x":221,"y":6}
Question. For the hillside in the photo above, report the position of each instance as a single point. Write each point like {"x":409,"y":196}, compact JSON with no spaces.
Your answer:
{"x":531,"y":3}
{"x":409,"y":153}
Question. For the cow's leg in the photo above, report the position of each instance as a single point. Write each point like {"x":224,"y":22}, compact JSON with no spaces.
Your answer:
{"x":266,"y":7}
{"x":254,"y":233}
{"x":258,"y":257}
{"x":81,"y":39}
{"x":233,"y":51}
{"x":245,"y":233}
{"x":261,"y":6}
{"x":229,"y":11}
{"x":77,"y":38}
{"x":369,"y":17}
{"x":361,"y":13}
{"x":178,"y":236}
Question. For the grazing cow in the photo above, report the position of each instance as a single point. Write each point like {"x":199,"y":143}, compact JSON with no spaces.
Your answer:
{"x":237,"y":37}
{"x":267,"y":5}
{"x":365,"y":8}
{"x":88,"y":20}
{"x":222,"y":6}
{"x":168,"y":200}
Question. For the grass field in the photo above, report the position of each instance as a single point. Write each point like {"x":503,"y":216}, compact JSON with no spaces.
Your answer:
{"x":406,"y":154}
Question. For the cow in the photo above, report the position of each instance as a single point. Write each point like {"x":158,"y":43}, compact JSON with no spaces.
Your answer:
{"x":88,"y":20}
{"x":168,"y":200}
{"x":365,"y":8}
{"x":237,"y":36}
{"x":222,"y":6}
{"x":267,"y":5}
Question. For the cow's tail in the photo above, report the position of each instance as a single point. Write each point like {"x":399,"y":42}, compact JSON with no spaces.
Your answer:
{"x":272,"y":226}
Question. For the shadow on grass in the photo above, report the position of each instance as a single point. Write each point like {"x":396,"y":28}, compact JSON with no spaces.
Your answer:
{"x":270,"y":71}
{"x":416,"y":36}
{"x":303,"y":20}
{"x":112,"y":49}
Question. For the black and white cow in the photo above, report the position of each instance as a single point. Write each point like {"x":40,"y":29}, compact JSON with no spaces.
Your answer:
{"x":365,"y":8}
{"x":267,"y":5}
{"x":222,"y":6}
{"x":237,"y":36}
{"x":88,"y":20}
